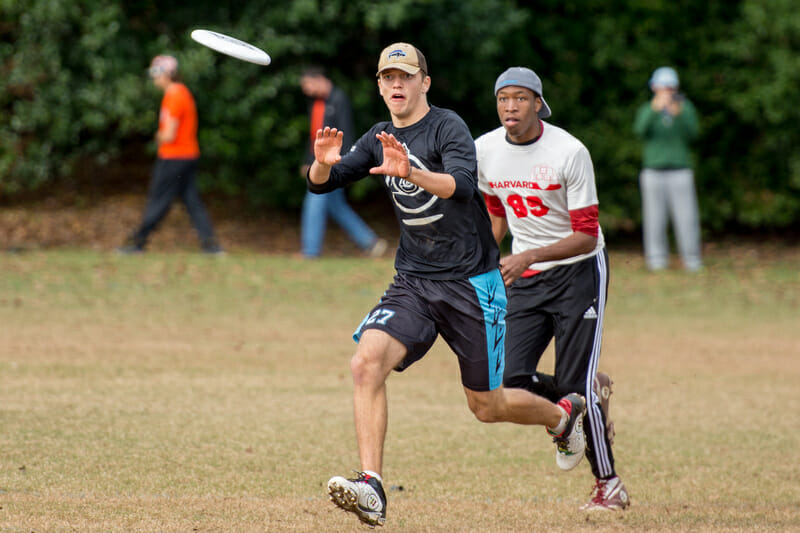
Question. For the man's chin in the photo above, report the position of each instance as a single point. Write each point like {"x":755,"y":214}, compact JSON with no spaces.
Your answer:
{"x":396,"y":107}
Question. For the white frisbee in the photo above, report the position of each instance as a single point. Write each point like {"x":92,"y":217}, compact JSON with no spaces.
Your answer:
{"x":231,"y":46}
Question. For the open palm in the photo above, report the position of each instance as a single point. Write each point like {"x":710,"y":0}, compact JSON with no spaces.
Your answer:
{"x":395,"y":157}
{"x":328,"y":146}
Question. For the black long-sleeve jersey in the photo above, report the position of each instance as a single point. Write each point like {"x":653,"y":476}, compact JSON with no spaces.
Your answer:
{"x":440,"y":238}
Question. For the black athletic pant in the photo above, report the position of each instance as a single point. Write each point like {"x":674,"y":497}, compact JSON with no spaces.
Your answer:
{"x":566,"y":303}
{"x":172,"y":178}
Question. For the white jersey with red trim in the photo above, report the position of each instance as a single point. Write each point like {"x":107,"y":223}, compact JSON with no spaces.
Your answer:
{"x":538,"y":184}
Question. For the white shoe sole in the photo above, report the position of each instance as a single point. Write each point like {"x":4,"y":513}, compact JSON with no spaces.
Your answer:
{"x":345,"y":498}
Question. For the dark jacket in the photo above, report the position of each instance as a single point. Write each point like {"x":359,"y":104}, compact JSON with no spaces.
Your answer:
{"x":339,"y":115}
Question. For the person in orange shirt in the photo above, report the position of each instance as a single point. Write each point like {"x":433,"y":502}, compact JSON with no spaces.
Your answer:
{"x":176,"y":166}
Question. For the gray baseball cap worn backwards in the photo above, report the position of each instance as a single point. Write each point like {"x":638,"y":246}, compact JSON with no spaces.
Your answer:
{"x":523,"y":77}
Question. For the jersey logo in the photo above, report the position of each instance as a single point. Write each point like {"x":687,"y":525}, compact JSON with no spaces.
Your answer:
{"x":544,"y":173}
{"x":523,"y":184}
{"x":409,"y":198}
{"x":551,"y":187}
{"x":544,"y":179}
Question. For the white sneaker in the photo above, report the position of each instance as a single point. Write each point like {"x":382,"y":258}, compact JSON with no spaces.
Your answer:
{"x":378,"y":248}
{"x":362,"y":495}
{"x":571,"y":443}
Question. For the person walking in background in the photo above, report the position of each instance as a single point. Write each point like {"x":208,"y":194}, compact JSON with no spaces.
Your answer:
{"x":330,"y":107}
{"x":175,"y":169}
{"x":538,"y":181}
{"x":667,"y":124}
{"x":447,"y":283}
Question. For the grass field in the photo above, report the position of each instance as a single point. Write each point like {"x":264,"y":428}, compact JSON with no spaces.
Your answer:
{"x":177,"y":392}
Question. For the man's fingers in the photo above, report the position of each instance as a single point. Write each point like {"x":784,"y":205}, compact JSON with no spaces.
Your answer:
{"x":387,"y":139}
{"x":327,"y":144}
{"x":329,"y":132}
{"x":508,"y":278}
{"x":508,"y":271}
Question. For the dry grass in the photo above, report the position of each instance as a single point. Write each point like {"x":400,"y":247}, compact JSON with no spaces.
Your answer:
{"x":174,"y":392}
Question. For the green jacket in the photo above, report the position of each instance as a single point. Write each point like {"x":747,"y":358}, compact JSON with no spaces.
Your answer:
{"x":666,"y":138}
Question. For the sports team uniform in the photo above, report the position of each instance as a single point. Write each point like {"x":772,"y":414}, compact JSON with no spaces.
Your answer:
{"x":447,"y":279}
{"x":546,"y":190}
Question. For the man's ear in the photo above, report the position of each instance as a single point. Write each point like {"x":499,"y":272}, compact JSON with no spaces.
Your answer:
{"x":426,"y":84}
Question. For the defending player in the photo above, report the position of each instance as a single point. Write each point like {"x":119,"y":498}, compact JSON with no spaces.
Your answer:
{"x":447,"y":280}
{"x":539,"y":183}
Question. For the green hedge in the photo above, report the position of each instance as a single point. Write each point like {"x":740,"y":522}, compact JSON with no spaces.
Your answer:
{"x":73,"y":85}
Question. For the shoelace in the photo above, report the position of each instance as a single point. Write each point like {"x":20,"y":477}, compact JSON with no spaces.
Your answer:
{"x":361,"y":477}
{"x":599,"y":491}
{"x":561,"y":444}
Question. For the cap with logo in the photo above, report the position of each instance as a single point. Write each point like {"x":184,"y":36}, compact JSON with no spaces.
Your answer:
{"x":523,"y":77}
{"x":402,"y":56}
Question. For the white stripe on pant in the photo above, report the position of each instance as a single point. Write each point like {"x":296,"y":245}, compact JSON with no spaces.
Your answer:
{"x":597,"y":439}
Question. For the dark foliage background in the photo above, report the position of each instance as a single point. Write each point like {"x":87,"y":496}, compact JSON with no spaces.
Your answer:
{"x":73,"y":87}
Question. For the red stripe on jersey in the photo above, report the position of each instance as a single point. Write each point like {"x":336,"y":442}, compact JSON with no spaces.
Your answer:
{"x":585,"y":220}
{"x":494,"y":205}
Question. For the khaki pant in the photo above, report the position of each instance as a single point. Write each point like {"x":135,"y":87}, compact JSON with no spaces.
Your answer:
{"x":670,"y":195}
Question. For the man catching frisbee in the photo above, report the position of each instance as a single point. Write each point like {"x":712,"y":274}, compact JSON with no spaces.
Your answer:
{"x":447,"y":283}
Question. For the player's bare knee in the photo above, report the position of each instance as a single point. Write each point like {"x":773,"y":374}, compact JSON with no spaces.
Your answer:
{"x":487,"y":414}
{"x":366,"y":367}
{"x":359,"y":368}
{"x":484,"y":409}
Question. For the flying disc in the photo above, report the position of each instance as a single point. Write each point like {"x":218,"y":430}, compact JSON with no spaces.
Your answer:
{"x":231,"y":46}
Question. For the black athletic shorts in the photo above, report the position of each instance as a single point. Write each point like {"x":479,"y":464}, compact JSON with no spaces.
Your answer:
{"x":469,"y":314}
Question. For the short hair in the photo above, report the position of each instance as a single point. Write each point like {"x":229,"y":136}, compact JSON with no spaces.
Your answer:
{"x":164,"y":64}
{"x":314,"y":71}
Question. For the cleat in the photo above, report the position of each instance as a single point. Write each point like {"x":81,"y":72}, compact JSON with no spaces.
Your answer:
{"x":608,"y":495}
{"x":602,"y":387}
{"x":363,"y":496}
{"x":571,"y":443}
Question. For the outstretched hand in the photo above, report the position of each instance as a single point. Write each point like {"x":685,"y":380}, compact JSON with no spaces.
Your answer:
{"x":395,"y":157}
{"x":328,"y":145}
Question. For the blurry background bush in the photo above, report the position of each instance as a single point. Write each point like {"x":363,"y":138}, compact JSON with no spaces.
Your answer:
{"x":73,"y":87}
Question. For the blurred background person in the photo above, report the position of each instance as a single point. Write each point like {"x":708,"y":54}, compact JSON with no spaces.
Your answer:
{"x":175,"y":169}
{"x":667,"y":125}
{"x":329,"y":106}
